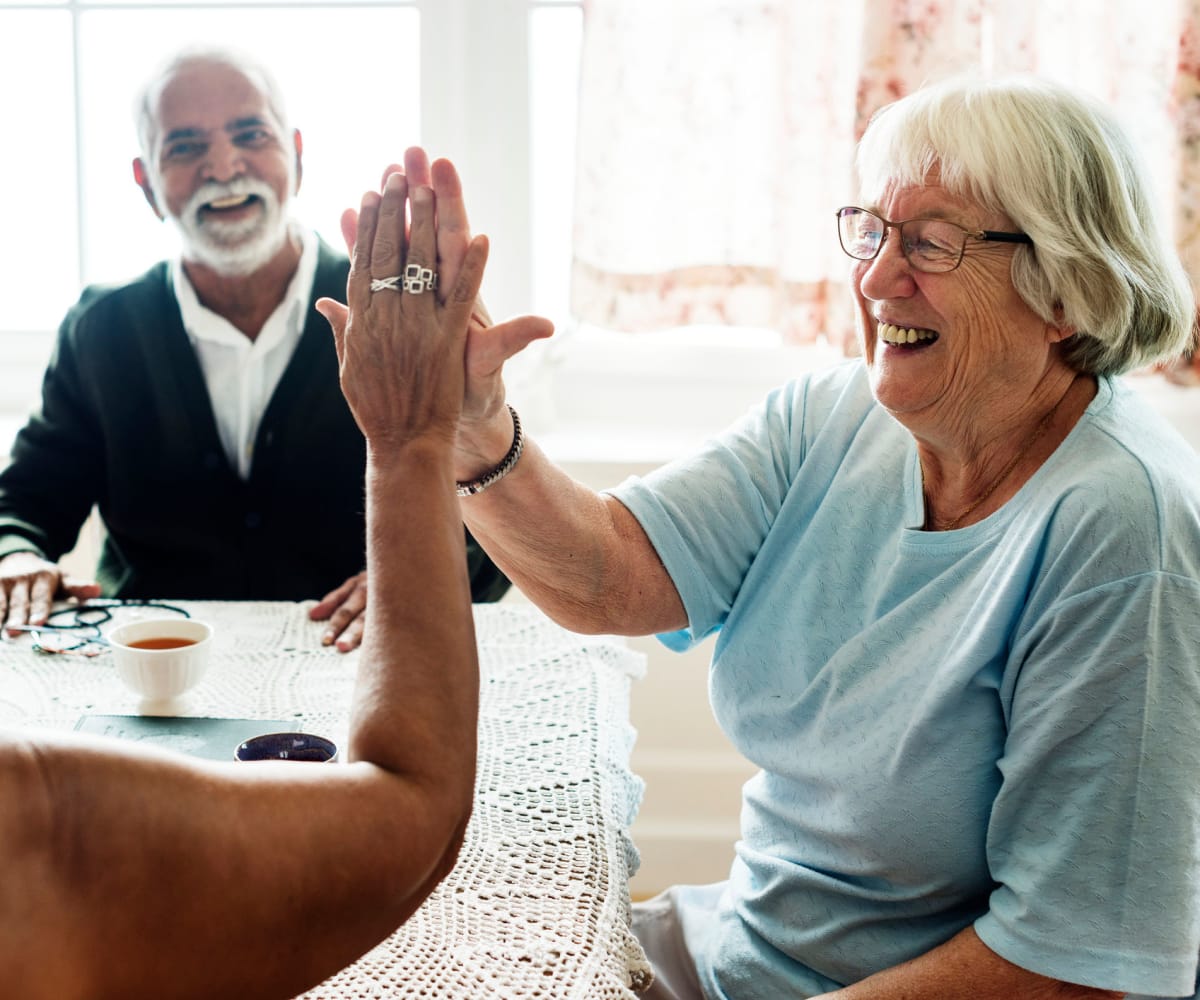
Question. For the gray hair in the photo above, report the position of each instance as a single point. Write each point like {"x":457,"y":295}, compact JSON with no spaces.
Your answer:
{"x":147,"y":96}
{"x":1058,"y":164}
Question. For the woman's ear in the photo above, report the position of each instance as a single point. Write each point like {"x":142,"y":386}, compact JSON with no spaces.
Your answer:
{"x":1058,"y":329}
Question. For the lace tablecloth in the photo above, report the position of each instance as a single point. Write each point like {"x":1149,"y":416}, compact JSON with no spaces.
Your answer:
{"x":538,"y":904}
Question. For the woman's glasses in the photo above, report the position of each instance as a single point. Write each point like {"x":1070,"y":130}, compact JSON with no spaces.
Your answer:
{"x":930,"y":245}
{"x":77,"y":629}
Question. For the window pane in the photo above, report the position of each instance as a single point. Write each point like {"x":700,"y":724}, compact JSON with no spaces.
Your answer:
{"x":232,"y":35}
{"x":39,"y":253}
{"x":356,"y":105}
{"x":554,"y":41}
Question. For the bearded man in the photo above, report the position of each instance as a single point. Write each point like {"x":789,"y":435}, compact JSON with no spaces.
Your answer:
{"x":198,"y":407}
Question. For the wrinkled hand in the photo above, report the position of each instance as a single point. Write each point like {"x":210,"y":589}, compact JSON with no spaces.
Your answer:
{"x":344,"y":608}
{"x":400,"y":353}
{"x":488,"y":346}
{"x":28,"y":586}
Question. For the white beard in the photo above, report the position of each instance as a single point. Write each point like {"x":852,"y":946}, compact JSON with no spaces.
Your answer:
{"x":232,"y":248}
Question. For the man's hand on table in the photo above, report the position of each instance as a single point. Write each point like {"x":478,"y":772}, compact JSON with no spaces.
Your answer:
{"x":29,"y":585}
{"x":344,"y":608}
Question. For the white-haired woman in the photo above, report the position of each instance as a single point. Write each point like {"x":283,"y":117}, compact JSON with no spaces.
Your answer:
{"x":956,"y":584}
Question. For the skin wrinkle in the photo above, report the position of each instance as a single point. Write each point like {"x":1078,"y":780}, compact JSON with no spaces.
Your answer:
{"x":993,"y":373}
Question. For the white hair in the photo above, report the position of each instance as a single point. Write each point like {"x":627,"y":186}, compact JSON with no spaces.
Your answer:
{"x":147,"y":96}
{"x":1057,"y":163}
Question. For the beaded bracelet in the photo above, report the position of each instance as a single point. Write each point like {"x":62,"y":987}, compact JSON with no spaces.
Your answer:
{"x":503,"y":469}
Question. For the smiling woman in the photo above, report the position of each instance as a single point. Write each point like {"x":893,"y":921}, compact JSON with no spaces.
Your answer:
{"x":965,"y":566}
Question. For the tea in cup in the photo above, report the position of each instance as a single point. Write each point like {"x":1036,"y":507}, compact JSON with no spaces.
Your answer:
{"x":161,"y":658}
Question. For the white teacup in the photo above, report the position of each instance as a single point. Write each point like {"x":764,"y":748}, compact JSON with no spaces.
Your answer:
{"x":161,"y":658}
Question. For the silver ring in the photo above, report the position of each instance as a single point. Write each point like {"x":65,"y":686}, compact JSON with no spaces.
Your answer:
{"x":418,"y":279}
{"x":379,"y":284}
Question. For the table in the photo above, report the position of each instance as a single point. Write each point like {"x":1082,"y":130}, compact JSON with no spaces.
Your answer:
{"x":538,"y":904}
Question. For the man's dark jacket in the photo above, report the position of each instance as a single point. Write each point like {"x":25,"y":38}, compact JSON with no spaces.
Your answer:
{"x":126,"y":424}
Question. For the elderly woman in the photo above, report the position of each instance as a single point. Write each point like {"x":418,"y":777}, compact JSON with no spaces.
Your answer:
{"x":956,"y":584}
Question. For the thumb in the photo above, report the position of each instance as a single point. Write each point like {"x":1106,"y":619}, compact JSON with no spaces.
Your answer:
{"x":488,"y":349}
{"x":337,"y":315}
{"x":73,"y":586}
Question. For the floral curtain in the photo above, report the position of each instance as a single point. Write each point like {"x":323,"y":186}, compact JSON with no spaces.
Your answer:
{"x":716,"y":137}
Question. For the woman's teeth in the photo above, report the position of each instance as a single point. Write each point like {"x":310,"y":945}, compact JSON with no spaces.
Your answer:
{"x":890,"y":334}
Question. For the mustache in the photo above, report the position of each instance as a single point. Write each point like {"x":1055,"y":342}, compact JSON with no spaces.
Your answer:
{"x":236,"y":188}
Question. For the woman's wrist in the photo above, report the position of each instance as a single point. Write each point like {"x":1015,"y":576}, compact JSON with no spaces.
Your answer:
{"x":467,"y":488}
{"x":483,"y":444}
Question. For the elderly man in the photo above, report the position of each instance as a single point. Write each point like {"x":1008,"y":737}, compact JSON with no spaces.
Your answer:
{"x":198,"y":406}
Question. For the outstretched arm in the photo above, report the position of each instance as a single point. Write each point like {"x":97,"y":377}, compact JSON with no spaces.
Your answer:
{"x":134,"y":873}
{"x":579,"y":555}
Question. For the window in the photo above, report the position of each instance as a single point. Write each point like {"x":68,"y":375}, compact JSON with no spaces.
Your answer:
{"x":363,"y":79}
{"x":490,"y":83}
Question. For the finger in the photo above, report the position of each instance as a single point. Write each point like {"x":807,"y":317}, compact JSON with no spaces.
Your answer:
{"x":349,"y":229}
{"x":358,"y":288}
{"x":350,"y":609}
{"x":391,"y":168}
{"x":422,"y":249}
{"x":326,"y":605}
{"x":416,"y":166}
{"x":337,"y":315}
{"x":388,"y":247}
{"x":82,"y":590}
{"x":453,"y":230}
{"x":351,"y":638}
{"x":480,"y":313}
{"x":460,"y":302}
{"x":18,"y":605}
{"x":41,"y":595}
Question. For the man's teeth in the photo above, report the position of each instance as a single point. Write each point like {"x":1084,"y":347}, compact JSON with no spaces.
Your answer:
{"x":233,"y":201}
{"x":890,"y":334}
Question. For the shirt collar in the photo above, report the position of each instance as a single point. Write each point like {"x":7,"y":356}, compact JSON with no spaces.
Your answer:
{"x":201,"y":323}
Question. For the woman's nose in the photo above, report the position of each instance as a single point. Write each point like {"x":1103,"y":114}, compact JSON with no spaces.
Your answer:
{"x":889,"y":275}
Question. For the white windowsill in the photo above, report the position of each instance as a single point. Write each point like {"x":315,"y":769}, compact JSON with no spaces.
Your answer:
{"x":599,"y":397}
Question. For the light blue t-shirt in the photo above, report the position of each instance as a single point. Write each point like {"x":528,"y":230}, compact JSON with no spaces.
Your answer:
{"x":997,"y":726}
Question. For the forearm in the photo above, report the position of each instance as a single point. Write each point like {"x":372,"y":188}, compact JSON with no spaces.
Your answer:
{"x":579,"y":556}
{"x":220,"y":880}
{"x":416,"y":699}
{"x":170,"y":862}
{"x":963,"y":968}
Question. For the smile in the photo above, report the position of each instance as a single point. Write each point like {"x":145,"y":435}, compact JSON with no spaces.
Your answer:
{"x":228,"y":204}
{"x":904,"y":335}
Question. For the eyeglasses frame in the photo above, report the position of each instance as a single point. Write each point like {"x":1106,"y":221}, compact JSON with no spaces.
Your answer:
{"x":85,"y":625}
{"x":980,"y":235}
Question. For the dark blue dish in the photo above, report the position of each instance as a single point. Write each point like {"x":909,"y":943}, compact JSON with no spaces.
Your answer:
{"x":287,"y":746}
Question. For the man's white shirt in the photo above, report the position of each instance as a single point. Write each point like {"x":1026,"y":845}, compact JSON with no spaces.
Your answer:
{"x":241,"y":374}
